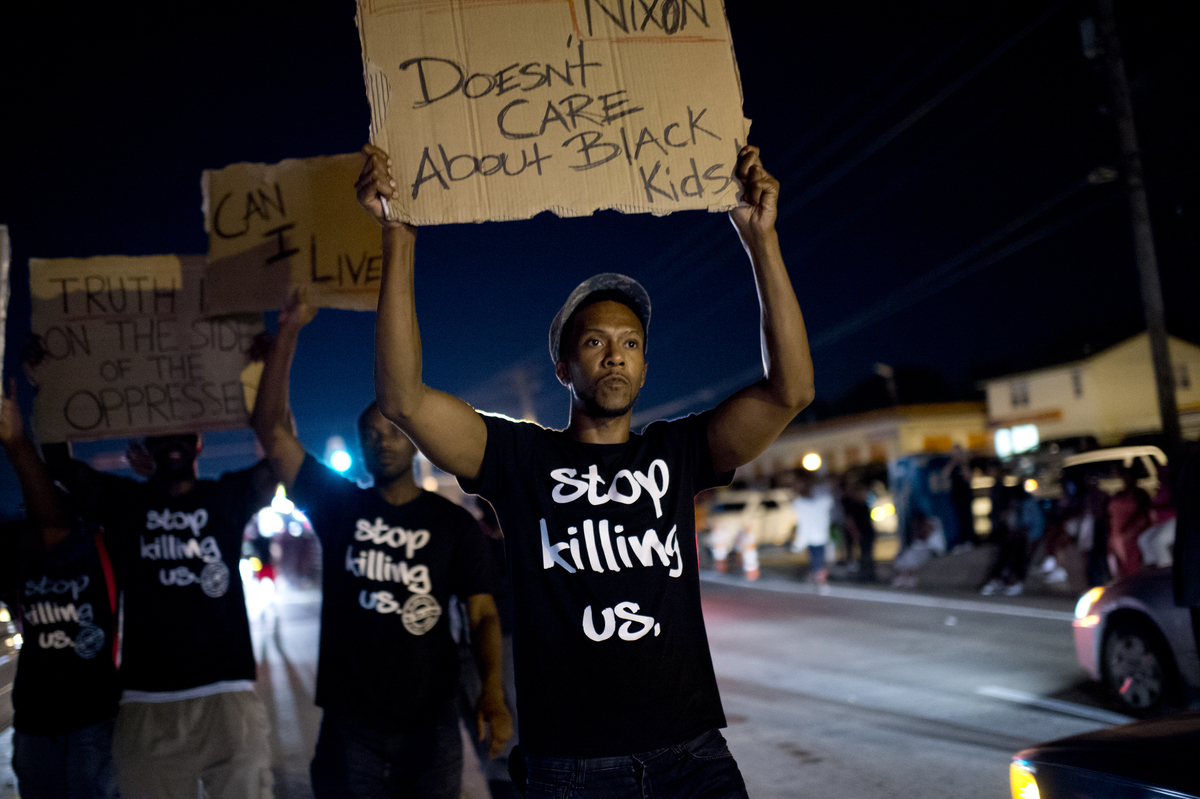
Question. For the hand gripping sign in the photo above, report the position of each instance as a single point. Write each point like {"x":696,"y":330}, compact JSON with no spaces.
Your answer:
{"x":126,"y":349}
{"x":501,"y":109}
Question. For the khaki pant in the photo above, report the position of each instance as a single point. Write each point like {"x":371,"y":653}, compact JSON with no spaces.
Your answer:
{"x":213,"y":747}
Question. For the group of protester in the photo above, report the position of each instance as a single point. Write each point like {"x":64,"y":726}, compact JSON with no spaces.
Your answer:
{"x":1116,"y":535}
{"x":139,"y":670}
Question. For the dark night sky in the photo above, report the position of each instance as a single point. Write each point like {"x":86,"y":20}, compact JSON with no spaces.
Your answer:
{"x":904,"y":135}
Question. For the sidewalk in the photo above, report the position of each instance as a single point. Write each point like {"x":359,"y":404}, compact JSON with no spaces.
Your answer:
{"x":958,"y":576}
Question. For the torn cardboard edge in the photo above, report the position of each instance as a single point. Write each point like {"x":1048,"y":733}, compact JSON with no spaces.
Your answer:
{"x":457,"y":139}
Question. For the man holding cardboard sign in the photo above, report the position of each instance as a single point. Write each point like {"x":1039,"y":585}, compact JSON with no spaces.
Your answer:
{"x":393,"y":556}
{"x":189,"y":715}
{"x":615,"y":683}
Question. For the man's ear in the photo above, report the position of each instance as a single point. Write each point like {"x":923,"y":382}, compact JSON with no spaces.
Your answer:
{"x":560,"y":371}
{"x":645,"y":366}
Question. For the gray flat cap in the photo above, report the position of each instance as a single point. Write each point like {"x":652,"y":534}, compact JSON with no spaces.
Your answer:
{"x":632,"y":290}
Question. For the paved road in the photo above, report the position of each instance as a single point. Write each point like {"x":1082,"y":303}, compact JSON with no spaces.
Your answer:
{"x":866,"y":693}
{"x":857,"y":693}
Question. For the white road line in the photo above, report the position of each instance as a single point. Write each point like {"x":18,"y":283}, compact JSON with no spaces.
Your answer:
{"x":1057,"y":705}
{"x":891,"y":598}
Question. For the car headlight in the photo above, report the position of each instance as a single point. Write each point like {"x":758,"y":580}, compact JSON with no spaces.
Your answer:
{"x":1083,"y":608}
{"x":1022,"y":780}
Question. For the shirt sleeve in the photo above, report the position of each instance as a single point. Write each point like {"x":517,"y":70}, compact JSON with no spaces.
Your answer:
{"x":693,"y":439}
{"x":318,"y":487}
{"x":472,"y":571}
{"x":506,"y":438}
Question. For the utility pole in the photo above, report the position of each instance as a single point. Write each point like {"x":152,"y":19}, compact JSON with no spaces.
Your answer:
{"x":1139,"y":213}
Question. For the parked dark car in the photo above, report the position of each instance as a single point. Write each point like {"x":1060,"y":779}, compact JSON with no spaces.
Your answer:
{"x":1153,"y":758}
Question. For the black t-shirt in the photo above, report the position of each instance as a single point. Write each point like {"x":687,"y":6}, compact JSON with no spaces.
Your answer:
{"x":387,"y":660}
{"x":65,"y":675}
{"x":176,"y":561}
{"x":609,"y":642}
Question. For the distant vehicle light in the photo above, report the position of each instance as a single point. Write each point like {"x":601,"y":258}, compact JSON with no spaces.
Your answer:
{"x":1031,"y":485}
{"x":881,"y":512}
{"x":269,"y":522}
{"x":16,"y":642}
{"x":1022,"y":780}
{"x":281,"y":503}
{"x":4,"y":616}
{"x":295,"y":528}
{"x":340,"y":460}
{"x":256,"y":564}
{"x":429,"y":483}
{"x":811,"y":461}
{"x":1084,"y":606}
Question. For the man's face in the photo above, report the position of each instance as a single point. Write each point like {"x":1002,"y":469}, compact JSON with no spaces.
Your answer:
{"x":387,"y":452}
{"x":603,"y":360}
{"x":174,"y":456}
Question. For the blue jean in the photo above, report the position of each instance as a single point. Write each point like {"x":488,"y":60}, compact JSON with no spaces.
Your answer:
{"x":417,"y":764}
{"x":701,"y":768}
{"x":76,"y":765}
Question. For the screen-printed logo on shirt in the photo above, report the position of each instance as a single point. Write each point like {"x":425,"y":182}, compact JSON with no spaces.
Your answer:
{"x":213,"y":578}
{"x":38,"y":613}
{"x":603,"y":546}
{"x":420,"y":612}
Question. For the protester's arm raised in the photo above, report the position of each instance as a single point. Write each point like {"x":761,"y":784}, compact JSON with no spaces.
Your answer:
{"x":446,"y":430}
{"x":747,"y":422}
{"x":272,"y":418}
{"x":42,"y":502}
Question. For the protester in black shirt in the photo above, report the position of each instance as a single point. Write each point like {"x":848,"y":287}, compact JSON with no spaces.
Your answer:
{"x":393,"y":555}
{"x":611,"y":657}
{"x":65,"y":694}
{"x":189,"y":714}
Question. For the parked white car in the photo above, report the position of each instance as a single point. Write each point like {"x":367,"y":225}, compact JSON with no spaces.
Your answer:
{"x":761,"y":517}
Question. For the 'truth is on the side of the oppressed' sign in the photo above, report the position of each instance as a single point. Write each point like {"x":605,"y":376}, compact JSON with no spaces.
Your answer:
{"x":128,"y":351}
{"x":503,"y":109}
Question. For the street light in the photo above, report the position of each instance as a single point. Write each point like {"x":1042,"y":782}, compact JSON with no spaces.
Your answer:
{"x":811,"y":461}
{"x":336,"y":454}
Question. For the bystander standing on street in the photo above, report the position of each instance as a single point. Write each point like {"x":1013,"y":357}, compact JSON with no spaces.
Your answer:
{"x":813,"y":506}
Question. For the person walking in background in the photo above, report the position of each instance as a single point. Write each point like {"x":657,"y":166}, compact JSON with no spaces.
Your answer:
{"x":813,"y":506}
{"x":1128,"y":518}
{"x":1022,"y":525}
{"x":958,"y":473}
{"x":65,"y":694}
{"x":860,"y":527}
{"x":394,"y":554}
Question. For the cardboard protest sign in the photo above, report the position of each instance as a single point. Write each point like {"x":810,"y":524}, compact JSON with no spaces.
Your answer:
{"x":274,"y":227}
{"x":501,"y":109}
{"x":128,"y":350}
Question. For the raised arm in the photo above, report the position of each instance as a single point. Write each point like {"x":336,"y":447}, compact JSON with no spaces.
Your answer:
{"x":272,"y":418}
{"x":42,"y":502}
{"x":747,"y":422}
{"x":447,"y":430}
